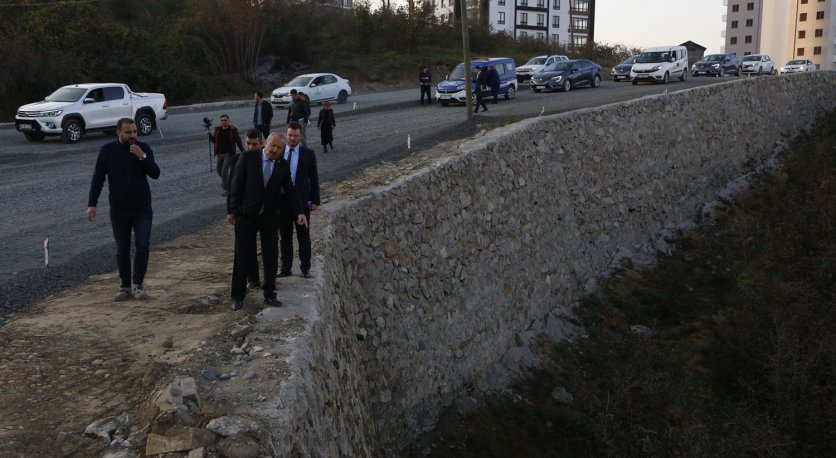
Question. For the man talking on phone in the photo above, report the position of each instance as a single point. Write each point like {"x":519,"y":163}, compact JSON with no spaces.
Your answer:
{"x":126,"y":163}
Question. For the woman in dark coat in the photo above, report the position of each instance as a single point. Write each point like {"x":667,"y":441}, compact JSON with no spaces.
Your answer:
{"x":326,"y":124}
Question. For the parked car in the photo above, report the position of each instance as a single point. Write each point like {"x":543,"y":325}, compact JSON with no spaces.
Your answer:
{"x":622,"y":70}
{"x":660,"y":64}
{"x":75,"y":110}
{"x":452,"y":89}
{"x":535,"y":65}
{"x":759,"y":64}
{"x":798,"y":65}
{"x":567,"y":74}
{"x":717,"y":65}
{"x":319,"y":87}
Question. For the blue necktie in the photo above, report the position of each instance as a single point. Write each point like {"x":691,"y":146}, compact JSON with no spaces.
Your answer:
{"x":268,"y":170}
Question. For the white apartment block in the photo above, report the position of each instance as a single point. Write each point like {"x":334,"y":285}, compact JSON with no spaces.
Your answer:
{"x":567,"y":23}
{"x":784,"y":29}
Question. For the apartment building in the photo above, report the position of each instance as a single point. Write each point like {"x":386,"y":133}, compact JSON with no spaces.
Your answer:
{"x":784,"y":29}
{"x":566,"y":23}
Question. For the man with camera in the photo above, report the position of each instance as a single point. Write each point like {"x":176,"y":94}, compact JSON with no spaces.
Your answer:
{"x":225,"y":139}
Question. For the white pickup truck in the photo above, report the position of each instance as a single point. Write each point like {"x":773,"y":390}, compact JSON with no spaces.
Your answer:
{"x":75,"y":110}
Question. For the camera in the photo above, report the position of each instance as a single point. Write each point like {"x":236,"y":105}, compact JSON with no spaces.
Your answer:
{"x":207,"y":123}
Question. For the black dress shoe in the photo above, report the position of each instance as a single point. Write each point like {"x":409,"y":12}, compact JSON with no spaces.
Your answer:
{"x":272,"y":302}
{"x":284,"y":273}
{"x":237,"y":304}
{"x":306,"y":274}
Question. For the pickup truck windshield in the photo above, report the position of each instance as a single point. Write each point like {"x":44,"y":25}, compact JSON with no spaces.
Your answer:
{"x":536,"y":61}
{"x":66,"y":94}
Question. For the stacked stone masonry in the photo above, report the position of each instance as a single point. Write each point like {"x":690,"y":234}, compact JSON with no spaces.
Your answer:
{"x":425,"y":282}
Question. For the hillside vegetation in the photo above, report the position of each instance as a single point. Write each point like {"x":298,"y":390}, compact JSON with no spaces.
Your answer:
{"x":738,"y":353}
{"x":198,"y":51}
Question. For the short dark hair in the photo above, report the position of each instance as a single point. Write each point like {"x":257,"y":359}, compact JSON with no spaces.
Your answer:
{"x":293,"y":91}
{"x":258,"y":94}
{"x":225,"y":116}
{"x":293,"y":125}
{"x":253,"y":133}
{"x":124,"y":121}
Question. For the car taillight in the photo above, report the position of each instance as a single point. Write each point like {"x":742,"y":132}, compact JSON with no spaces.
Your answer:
{"x":165,"y":104}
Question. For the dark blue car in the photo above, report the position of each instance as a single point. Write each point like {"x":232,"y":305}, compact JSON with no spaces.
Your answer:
{"x":566,"y":75}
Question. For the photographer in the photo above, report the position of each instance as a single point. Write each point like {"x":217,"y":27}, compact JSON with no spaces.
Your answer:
{"x":225,"y":139}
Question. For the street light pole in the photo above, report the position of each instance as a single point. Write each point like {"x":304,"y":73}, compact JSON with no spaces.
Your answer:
{"x":466,"y":47}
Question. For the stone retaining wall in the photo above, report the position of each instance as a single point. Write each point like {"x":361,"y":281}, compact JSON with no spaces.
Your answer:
{"x":427,"y":283}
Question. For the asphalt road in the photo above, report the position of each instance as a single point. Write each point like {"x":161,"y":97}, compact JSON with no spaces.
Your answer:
{"x":44,"y":186}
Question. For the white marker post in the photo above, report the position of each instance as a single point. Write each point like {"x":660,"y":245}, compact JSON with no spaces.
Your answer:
{"x":160,"y":131}
{"x":46,"y":252}
{"x":355,"y":106}
{"x":408,"y":142}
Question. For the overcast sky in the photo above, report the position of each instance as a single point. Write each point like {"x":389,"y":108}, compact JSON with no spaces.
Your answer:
{"x":647,"y":23}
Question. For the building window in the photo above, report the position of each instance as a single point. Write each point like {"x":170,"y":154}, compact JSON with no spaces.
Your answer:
{"x":802,"y":17}
{"x":579,"y":6}
{"x":735,"y":8}
{"x":500,"y":2}
{"x":803,"y":2}
{"x":578,"y":40}
{"x":523,"y":34}
{"x":501,"y":19}
{"x":817,"y":51}
{"x":541,"y":36}
{"x":556,"y":22}
{"x":819,"y":14}
{"x":556,"y":4}
{"x":750,"y":6}
{"x":799,"y":52}
{"x":747,"y":53}
{"x":523,"y":18}
{"x":749,"y":22}
{"x":579,"y":23}
{"x":555,"y":38}
{"x":541,"y":3}
{"x":523,"y":2}
{"x":802,"y":34}
{"x":819,"y":32}
{"x":541,"y":21}
{"x":747,"y":39}
{"x":733,"y":40}
{"x":734,"y":24}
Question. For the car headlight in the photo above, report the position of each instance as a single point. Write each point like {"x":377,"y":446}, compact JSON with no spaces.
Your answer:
{"x":48,"y":113}
{"x":613,"y":70}
{"x":694,"y":68}
{"x":656,"y":67}
{"x":716,"y":65}
{"x":557,"y":78}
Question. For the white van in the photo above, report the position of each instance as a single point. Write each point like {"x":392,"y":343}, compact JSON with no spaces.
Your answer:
{"x":659,"y":65}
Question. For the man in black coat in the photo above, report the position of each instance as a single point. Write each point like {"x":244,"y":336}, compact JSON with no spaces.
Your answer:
{"x":263,"y":115}
{"x":254,"y":194}
{"x":302,"y":164}
{"x":425,"y":79}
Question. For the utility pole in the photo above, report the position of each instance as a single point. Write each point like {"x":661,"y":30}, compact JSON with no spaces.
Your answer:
{"x":467,"y":75}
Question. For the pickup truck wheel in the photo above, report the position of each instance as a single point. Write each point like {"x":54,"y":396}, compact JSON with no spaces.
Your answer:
{"x":342,"y":97}
{"x":71,"y":132}
{"x":144,"y":124}
{"x":34,"y":137}
{"x":511,"y":93}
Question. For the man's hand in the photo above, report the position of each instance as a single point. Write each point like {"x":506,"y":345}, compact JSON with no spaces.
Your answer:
{"x":301,"y":220}
{"x":230,"y":218}
{"x":136,"y":150}
{"x":91,"y":213}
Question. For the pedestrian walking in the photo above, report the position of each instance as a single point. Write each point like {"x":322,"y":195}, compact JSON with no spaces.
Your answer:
{"x":260,"y":178}
{"x":126,"y":164}
{"x":263,"y":115}
{"x":481,"y":89}
{"x":305,"y":178}
{"x":225,"y":140}
{"x":299,"y":111}
{"x":326,"y":124}
{"x":252,"y":141}
{"x":494,"y":82}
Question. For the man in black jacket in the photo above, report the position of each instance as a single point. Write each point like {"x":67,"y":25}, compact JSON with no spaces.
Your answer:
{"x":126,"y":163}
{"x":299,"y":111}
{"x":259,"y":179}
{"x":426,"y":80}
{"x":302,"y":162}
{"x":225,"y":139}
{"x":263,"y":115}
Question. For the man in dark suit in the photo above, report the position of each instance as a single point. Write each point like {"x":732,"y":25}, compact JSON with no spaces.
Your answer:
{"x":260,"y":177}
{"x":263,"y":115}
{"x":302,"y":164}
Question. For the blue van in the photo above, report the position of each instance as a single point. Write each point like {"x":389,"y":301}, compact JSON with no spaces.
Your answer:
{"x":452,"y":89}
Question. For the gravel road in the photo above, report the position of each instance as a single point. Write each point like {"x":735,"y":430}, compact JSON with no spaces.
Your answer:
{"x":44,"y":186}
